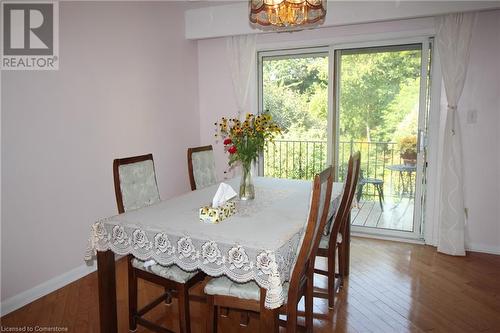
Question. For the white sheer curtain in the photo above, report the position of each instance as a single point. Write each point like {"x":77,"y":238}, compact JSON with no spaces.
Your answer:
{"x":241,"y":51}
{"x":454,"y":32}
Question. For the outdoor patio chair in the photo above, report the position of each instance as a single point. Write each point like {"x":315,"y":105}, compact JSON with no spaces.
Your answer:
{"x":377,"y":183}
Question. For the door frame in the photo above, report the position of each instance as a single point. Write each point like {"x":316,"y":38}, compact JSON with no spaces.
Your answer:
{"x":418,"y":212}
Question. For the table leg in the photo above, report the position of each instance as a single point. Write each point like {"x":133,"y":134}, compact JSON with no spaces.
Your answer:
{"x":269,"y":321}
{"x":107,"y":291}
{"x":402,"y":182}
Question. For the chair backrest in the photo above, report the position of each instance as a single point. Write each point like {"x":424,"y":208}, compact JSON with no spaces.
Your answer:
{"x":344,"y":209}
{"x":135,"y":182}
{"x":318,"y":213}
{"x":201,"y":165}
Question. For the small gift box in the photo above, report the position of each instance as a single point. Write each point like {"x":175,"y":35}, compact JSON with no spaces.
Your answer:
{"x":210,"y":214}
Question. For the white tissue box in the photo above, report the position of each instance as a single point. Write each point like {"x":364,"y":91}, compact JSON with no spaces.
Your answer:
{"x":210,"y":214}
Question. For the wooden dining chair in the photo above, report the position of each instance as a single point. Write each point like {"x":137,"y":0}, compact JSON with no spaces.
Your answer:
{"x":334,"y":243}
{"x":201,"y":165}
{"x":222,"y":292}
{"x":136,"y":187}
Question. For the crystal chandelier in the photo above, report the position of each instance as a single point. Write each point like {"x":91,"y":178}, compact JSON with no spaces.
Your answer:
{"x":287,"y":13}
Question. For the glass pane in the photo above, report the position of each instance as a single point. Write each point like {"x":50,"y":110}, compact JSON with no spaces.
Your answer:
{"x":379,"y":91}
{"x":295,"y":93}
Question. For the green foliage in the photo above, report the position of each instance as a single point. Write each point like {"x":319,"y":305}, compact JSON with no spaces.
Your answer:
{"x":303,"y":159}
{"x":377,"y":91}
{"x":379,"y":96}
{"x":397,"y":123}
{"x":408,"y":145}
{"x":296,"y":95}
{"x":294,"y":159}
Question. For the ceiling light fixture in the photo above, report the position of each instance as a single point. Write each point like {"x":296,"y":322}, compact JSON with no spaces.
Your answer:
{"x":270,"y":14}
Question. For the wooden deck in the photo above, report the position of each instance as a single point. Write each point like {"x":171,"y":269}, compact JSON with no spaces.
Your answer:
{"x":397,"y":214}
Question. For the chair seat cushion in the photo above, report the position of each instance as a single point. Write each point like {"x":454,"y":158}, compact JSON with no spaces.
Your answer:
{"x":173,"y":272}
{"x":323,"y":243}
{"x":223,"y":286}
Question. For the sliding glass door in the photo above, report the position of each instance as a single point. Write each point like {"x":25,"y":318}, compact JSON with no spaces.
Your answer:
{"x":381,"y":109}
{"x":336,"y":100}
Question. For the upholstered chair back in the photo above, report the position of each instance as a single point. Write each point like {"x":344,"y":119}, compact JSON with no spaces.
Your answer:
{"x":135,"y":182}
{"x":201,"y":164}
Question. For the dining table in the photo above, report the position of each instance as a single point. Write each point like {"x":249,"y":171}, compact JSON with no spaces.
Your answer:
{"x":258,"y":243}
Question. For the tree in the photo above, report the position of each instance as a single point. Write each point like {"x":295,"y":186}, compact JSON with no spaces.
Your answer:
{"x":370,"y":83}
{"x":296,"y":94}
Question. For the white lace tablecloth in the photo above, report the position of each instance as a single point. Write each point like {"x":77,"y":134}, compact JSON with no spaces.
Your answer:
{"x":258,"y":243}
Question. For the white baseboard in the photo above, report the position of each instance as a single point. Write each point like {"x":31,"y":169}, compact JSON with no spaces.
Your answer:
{"x":474,"y":247}
{"x":28,"y":296}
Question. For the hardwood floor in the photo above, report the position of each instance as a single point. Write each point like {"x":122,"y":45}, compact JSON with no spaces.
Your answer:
{"x":393,"y":287}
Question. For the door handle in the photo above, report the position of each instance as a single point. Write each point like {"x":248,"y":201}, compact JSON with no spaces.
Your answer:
{"x":421,"y":144}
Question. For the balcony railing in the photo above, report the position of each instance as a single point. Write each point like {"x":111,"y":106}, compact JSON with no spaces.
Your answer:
{"x":301,"y":159}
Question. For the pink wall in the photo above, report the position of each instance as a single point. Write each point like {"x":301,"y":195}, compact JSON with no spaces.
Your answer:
{"x":127,"y":85}
{"x":216,"y":98}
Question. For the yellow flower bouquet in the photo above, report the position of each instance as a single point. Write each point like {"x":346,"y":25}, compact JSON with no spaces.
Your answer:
{"x":244,"y":141}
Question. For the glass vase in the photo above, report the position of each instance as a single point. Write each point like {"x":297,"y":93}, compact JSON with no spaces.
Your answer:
{"x":247,"y":191}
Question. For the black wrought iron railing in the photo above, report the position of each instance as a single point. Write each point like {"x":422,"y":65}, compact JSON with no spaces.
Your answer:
{"x":302,"y":159}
